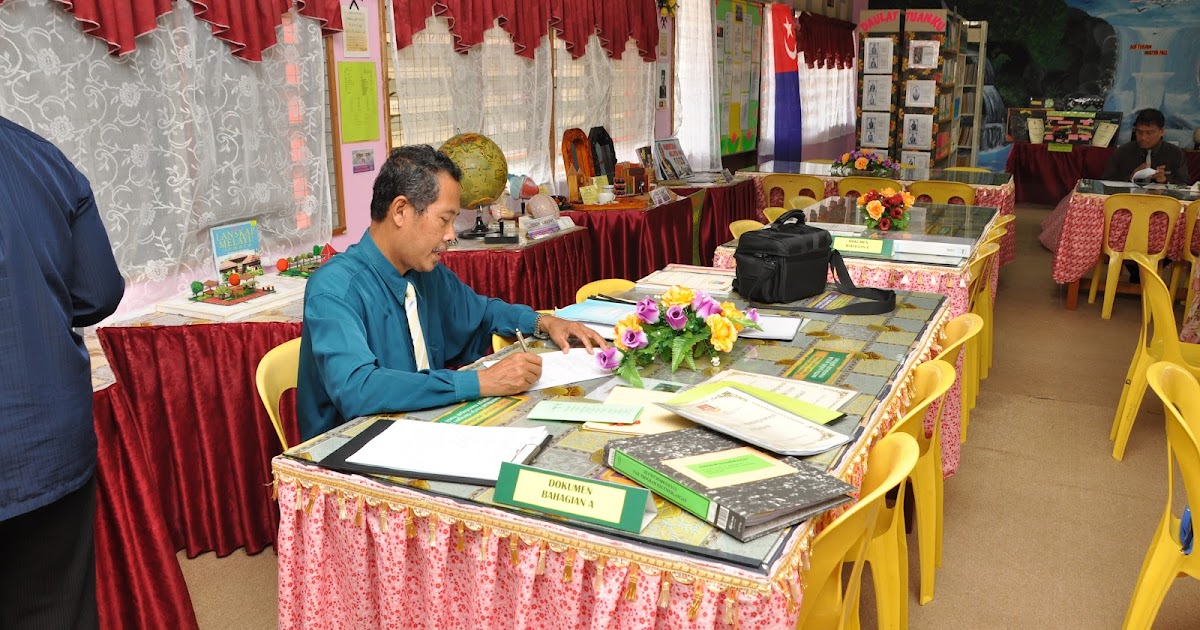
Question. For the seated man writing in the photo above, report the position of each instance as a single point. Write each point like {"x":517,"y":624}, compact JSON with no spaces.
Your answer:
{"x":1149,"y":150}
{"x":383,"y":320}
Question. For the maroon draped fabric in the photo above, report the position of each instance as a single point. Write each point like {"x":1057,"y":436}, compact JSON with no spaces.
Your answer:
{"x":1046,"y":177}
{"x":826,"y":42}
{"x":723,"y":205}
{"x":248,"y":25}
{"x":205,"y":434}
{"x":138,"y":580}
{"x":545,"y":275}
{"x":630,"y":244}
{"x":528,"y":21}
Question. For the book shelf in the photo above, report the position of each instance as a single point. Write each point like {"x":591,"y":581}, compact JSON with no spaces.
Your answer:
{"x":973,"y":56}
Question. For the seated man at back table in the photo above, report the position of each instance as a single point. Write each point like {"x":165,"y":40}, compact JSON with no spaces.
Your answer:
{"x":1148,"y":149}
{"x":383,"y":320}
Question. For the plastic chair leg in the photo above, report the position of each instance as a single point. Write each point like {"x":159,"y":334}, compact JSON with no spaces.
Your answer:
{"x":965,"y":384}
{"x":882,"y":555}
{"x":1110,"y":286}
{"x":1173,"y":285}
{"x":1095,"y":280}
{"x":939,"y":483}
{"x":925,"y":498}
{"x":1133,"y":404}
{"x":1140,"y":362}
{"x":1159,"y":570}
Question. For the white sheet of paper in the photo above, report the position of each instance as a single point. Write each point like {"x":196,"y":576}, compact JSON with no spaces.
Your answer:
{"x":565,"y":369}
{"x":451,"y":450}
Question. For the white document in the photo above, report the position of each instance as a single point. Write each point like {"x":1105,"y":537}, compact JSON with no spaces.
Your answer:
{"x":417,"y":448}
{"x":1118,"y":184}
{"x":565,"y":369}
{"x":826,"y":396}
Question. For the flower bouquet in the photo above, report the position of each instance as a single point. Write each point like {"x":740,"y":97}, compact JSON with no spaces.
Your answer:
{"x":886,"y":209}
{"x":682,"y":326}
{"x":864,"y":163}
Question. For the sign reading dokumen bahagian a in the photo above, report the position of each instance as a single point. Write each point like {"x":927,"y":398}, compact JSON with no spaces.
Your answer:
{"x":627,"y":508}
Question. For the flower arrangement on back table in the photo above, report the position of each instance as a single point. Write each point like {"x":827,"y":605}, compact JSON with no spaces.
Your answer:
{"x":864,"y":163}
{"x":682,"y":326}
{"x":886,"y":209}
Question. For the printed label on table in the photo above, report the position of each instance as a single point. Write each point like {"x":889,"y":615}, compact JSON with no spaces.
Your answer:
{"x":485,"y":411}
{"x":625,"y":507}
{"x":828,"y":300}
{"x":1059,"y":147}
{"x":860,"y":245}
{"x":818,"y":366}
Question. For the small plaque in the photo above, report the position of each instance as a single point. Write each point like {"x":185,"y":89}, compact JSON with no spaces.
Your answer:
{"x":628,"y":508}
{"x":1059,"y":147}
{"x":862,"y":245}
{"x":590,"y":194}
{"x":660,"y":195}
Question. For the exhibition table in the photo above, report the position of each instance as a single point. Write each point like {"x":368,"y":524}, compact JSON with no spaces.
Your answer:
{"x":631,"y":244}
{"x":1046,"y":177}
{"x":723,"y":204}
{"x":544,"y":273}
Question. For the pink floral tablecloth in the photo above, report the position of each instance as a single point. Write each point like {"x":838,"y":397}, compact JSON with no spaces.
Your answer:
{"x":1075,"y":229}
{"x":357,"y":553}
{"x":1001,"y":198}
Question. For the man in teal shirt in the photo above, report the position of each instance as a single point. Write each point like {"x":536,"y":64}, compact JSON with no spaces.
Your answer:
{"x":357,"y":352}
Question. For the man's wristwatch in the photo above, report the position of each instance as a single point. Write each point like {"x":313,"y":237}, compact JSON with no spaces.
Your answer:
{"x":539,"y":332}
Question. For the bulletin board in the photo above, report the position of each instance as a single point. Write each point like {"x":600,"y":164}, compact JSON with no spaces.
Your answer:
{"x":739,"y":27}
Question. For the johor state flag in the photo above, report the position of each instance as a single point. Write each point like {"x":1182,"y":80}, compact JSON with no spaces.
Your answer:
{"x":786,"y":112}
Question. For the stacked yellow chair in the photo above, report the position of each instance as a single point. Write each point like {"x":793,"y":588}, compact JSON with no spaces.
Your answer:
{"x":1164,"y":560}
{"x":1189,"y":258}
{"x":1142,"y":208}
{"x":825,"y":606}
{"x":980,"y":351}
{"x":943,"y":192}
{"x":856,"y":186}
{"x":774,"y":212}
{"x":801,"y":202}
{"x":741,"y":226}
{"x":887,"y":552}
{"x":1164,"y":345}
{"x":793,"y":186}
{"x":278,"y":372}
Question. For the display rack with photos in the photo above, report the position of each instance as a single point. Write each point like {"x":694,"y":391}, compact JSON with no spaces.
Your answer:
{"x":930,"y":91}
{"x":876,"y":110}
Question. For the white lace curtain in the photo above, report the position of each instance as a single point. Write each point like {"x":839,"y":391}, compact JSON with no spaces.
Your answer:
{"x":176,"y":137}
{"x":696,"y":84}
{"x":827,"y":100}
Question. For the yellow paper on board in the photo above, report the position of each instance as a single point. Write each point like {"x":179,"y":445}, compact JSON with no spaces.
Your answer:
{"x":358,"y":101}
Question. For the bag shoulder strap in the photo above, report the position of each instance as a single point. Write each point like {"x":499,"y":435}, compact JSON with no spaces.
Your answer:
{"x":878,"y":301}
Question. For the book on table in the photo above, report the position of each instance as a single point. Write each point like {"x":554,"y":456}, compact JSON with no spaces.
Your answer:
{"x":738,"y":489}
{"x":715,"y":282}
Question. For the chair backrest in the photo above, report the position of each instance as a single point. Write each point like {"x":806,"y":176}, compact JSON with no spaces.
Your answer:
{"x":791,"y":185}
{"x":969,"y":169}
{"x":957,"y":333}
{"x":931,"y":380}
{"x":774,"y":212}
{"x":938,"y":191}
{"x":981,"y":269}
{"x":1180,"y":393}
{"x":741,"y":226}
{"x":889,"y":463}
{"x":1189,"y":237}
{"x":857,"y":186}
{"x":801,"y":202}
{"x":1142,"y":208}
{"x":995,"y":234}
{"x":277,"y":372}
{"x":607,"y":286}
{"x":1004,"y":219}
{"x":1157,"y":311}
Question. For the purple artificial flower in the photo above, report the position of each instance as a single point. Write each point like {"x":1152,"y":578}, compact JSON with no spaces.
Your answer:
{"x":609,"y":358}
{"x":634,"y":339}
{"x":647,"y":310}
{"x":705,"y":306}
{"x":752,"y":314}
{"x":676,"y":317}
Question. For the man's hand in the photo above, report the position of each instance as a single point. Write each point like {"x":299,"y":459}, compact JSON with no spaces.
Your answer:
{"x":561,"y":331}
{"x":511,"y":375}
{"x":1160,"y":175}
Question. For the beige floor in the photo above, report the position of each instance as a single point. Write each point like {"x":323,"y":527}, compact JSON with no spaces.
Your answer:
{"x":1043,"y":528}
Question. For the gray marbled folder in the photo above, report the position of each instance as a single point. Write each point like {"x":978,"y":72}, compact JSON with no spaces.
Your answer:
{"x":737,"y":488}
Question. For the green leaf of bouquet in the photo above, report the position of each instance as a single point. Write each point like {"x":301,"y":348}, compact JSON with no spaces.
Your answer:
{"x":628,"y":371}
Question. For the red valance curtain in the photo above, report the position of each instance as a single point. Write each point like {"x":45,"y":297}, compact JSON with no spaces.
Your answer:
{"x":528,"y":21}
{"x":826,"y":42}
{"x":247,"y":25}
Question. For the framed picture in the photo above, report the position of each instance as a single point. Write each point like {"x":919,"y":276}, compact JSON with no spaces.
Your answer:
{"x":875,"y":129}
{"x":877,"y":92}
{"x":878,"y":55}
{"x":919,"y":159}
{"x":920,"y":93}
{"x":918,"y":132}
{"x":923,"y":54}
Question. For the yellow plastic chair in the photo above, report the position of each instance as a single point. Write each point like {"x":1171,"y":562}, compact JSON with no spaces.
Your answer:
{"x":943,"y":192}
{"x":981,"y":269}
{"x":856,"y":186}
{"x":277,"y":372}
{"x":961,"y":334}
{"x":1162,"y":345}
{"x":774,"y":212}
{"x":995,"y":234}
{"x":1142,"y":208}
{"x":741,"y":226}
{"x":969,"y":169}
{"x":888,"y":550}
{"x":500,"y":342}
{"x":801,"y":202}
{"x":1004,"y":219}
{"x":826,"y":605}
{"x":793,"y":186}
{"x":607,"y":286}
{"x":1189,"y":258}
{"x":1164,"y":560}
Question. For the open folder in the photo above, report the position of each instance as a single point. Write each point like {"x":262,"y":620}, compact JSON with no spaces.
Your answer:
{"x":437,"y":451}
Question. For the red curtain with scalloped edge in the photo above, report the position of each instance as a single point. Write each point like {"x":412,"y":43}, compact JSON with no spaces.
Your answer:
{"x":528,"y":21}
{"x":247,"y":25}
{"x":826,"y":42}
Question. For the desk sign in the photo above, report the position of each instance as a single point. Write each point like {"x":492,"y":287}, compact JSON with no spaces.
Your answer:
{"x":1059,"y":147}
{"x":876,"y":246}
{"x":628,"y":508}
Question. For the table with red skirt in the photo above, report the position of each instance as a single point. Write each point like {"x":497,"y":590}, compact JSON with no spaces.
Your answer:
{"x":723,"y":204}
{"x":1047,"y":177}
{"x":543,"y":274}
{"x":631,"y":244}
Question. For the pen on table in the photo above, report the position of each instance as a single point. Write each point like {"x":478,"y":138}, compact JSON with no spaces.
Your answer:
{"x":608,"y":298}
{"x":524,"y":348}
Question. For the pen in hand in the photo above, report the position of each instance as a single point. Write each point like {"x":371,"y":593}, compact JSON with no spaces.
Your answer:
{"x":520,"y":338}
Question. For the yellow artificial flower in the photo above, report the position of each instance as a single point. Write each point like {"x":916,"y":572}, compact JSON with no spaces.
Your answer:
{"x":731,"y":312}
{"x":887,"y":192}
{"x":723,"y":334}
{"x":909,"y":199}
{"x":861,"y":163}
{"x":875,"y":209}
{"x":677,"y":296}
{"x":845,"y":158}
{"x":629,"y":322}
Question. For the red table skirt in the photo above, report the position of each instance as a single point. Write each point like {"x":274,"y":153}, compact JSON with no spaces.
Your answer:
{"x":723,"y":205}
{"x":631,"y":244}
{"x":545,"y":275}
{"x":1047,"y":178}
